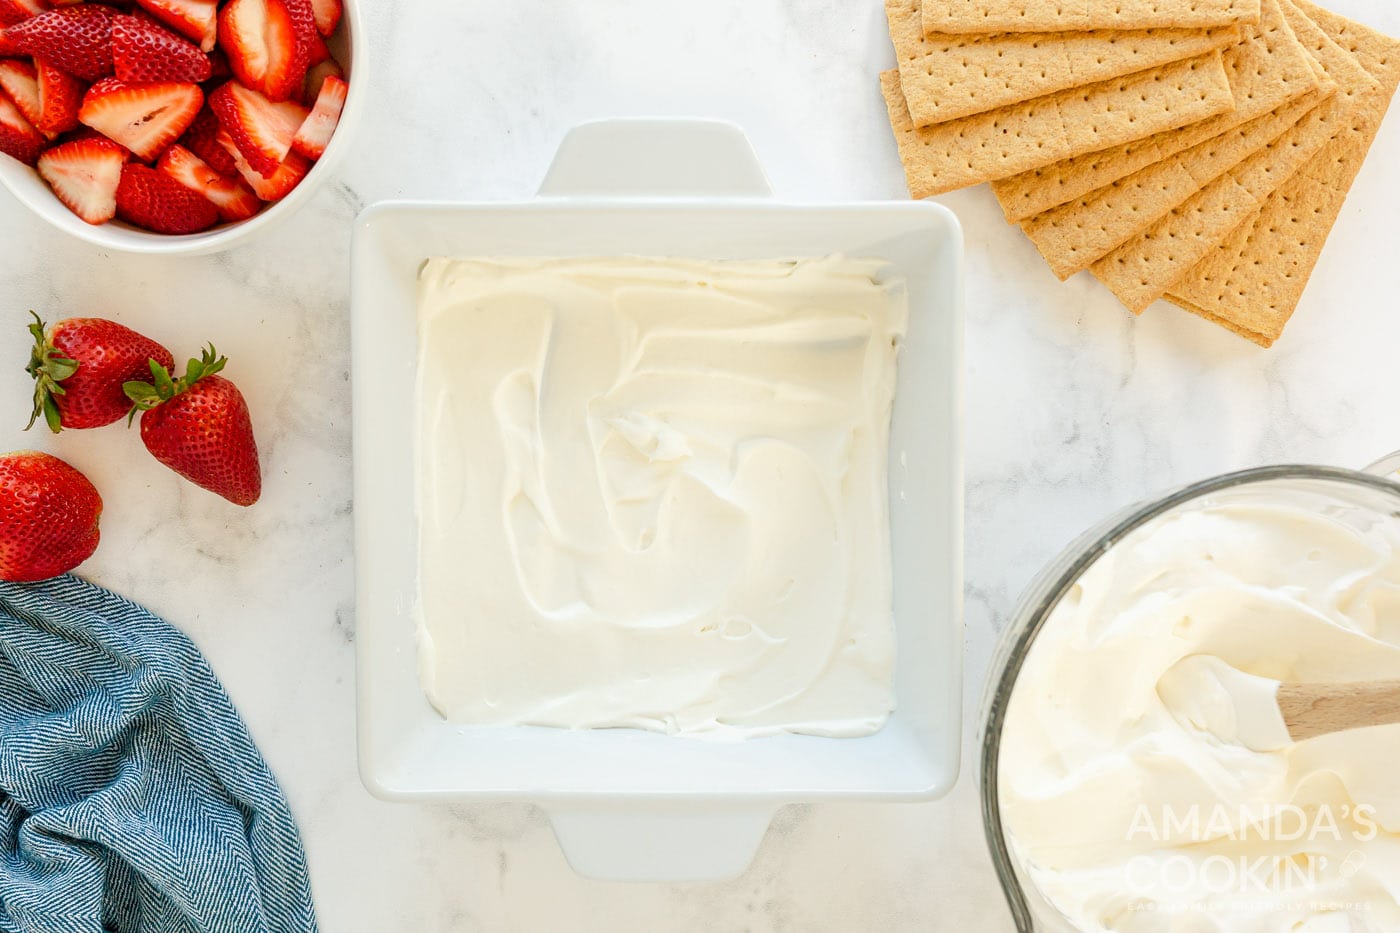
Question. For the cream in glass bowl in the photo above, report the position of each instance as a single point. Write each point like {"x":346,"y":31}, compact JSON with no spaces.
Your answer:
{"x":1106,"y":808}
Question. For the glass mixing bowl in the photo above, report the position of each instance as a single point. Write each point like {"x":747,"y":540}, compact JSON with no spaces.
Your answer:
{"x":1374,"y":490}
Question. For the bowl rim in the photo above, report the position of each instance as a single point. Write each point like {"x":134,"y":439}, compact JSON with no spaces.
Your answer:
{"x":121,"y":237}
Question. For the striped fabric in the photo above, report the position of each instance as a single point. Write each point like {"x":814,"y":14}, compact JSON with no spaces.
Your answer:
{"x":132,"y":799}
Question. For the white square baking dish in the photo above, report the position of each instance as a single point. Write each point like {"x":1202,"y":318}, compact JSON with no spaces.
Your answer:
{"x":628,"y":804}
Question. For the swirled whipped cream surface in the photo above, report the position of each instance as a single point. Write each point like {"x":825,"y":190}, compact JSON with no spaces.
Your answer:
{"x":652,"y":493}
{"x":1134,"y":801}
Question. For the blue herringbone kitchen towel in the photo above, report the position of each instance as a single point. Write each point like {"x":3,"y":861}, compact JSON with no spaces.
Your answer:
{"x":132,"y":798}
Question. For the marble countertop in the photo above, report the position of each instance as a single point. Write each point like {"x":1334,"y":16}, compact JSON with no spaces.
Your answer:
{"x":1073,"y":409}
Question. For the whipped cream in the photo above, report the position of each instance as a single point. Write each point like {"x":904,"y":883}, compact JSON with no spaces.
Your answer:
{"x":652,"y":493}
{"x":1128,"y":789}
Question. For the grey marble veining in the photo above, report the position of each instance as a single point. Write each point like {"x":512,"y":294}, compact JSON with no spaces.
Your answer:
{"x":1073,"y":409}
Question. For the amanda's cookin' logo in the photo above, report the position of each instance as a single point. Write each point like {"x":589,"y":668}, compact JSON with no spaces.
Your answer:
{"x":1300,"y":869}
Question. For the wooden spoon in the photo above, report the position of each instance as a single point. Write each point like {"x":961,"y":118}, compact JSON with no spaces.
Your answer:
{"x":1205,"y":693}
{"x":1310,"y":710}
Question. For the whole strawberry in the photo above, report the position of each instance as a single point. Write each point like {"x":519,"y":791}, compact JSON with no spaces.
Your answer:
{"x":80,"y":366}
{"x":199,"y":427}
{"x":48,"y":517}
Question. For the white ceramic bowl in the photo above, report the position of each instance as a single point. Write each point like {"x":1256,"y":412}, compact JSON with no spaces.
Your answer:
{"x":30,"y":190}
{"x":628,"y":804}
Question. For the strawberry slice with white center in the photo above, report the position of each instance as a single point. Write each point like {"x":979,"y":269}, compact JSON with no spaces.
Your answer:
{"x":317,"y":76}
{"x":262,"y":129}
{"x":144,"y":118}
{"x":18,"y":137}
{"x":154,"y":200}
{"x":261,"y":43}
{"x":196,"y":20}
{"x":315,"y":134}
{"x":144,"y":53}
{"x":17,"y":11}
{"x":328,"y":13}
{"x":60,"y":96}
{"x":272,"y":187}
{"x":84,"y":175}
{"x":234,"y":199}
{"x":77,"y":39}
{"x":19,"y":80}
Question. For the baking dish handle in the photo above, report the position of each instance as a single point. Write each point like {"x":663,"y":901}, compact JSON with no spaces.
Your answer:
{"x":656,"y":158}
{"x":660,"y":842}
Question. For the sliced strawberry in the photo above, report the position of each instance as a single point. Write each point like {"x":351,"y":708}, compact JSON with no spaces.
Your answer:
{"x":260,"y":40}
{"x":202,"y":138}
{"x":84,"y":174}
{"x":219,"y":69}
{"x":276,"y":186}
{"x":319,"y":50}
{"x":263,"y":130}
{"x":144,"y":118}
{"x":328,"y":13}
{"x":234,"y":199}
{"x":196,"y":20}
{"x":143,"y":52}
{"x":315,"y":134}
{"x":19,"y":80}
{"x":8,"y":48}
{"x":17,"y":11}
{"x":18,"y":137}
{"x":304,"y":25}
{"x":154,"y":200}
{"x":60,"y":96}
{"x":317,"y":76}
{"x":77,"y":39}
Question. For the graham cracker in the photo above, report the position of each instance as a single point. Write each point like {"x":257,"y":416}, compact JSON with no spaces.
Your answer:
{"x":1269,"y":69}
{"x":1012,"y":139}
{"x":949,"y":76}
{"x":1077,"y":15}
{"x":1253,"y":282}
{"x":1074,"y":236}
{"x":1143,"y":268}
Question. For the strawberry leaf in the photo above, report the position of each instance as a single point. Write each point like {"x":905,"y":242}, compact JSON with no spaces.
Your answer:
{"x":49,"y":367}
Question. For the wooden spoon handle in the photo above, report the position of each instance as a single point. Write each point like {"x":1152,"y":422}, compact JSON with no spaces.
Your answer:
{"x":1310,"y":710}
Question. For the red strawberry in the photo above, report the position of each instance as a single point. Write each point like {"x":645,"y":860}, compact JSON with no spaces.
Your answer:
{"x":235,"y":200}
{"x":304,"y":27}
{"x":219,"y":68}
{"x":18,"y":137}
{"x":272,"y":187}
{"x":317,"y":76}
{"x":315,"y":134}
{"x":84,"y":175}
{"x":157,"y":202}
{"x":202,"y":138}
{"x":49,"y":513}
{"x":200,"y":428}
{"x":144,"y":118}
{"x":262,"y":130}
{"x":328,"y":13}
{"x":8,"y":49}
{"x":17,"y":11}
{"x":80,"y":366}
{"x":319,"y":51}
{"x":60,"y":96}
{"x":260,"y":40}
{"x":143,"y":52}
{"x":20,"y":81}
{"x":77,"y":39}
{"x":197,"y":20}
